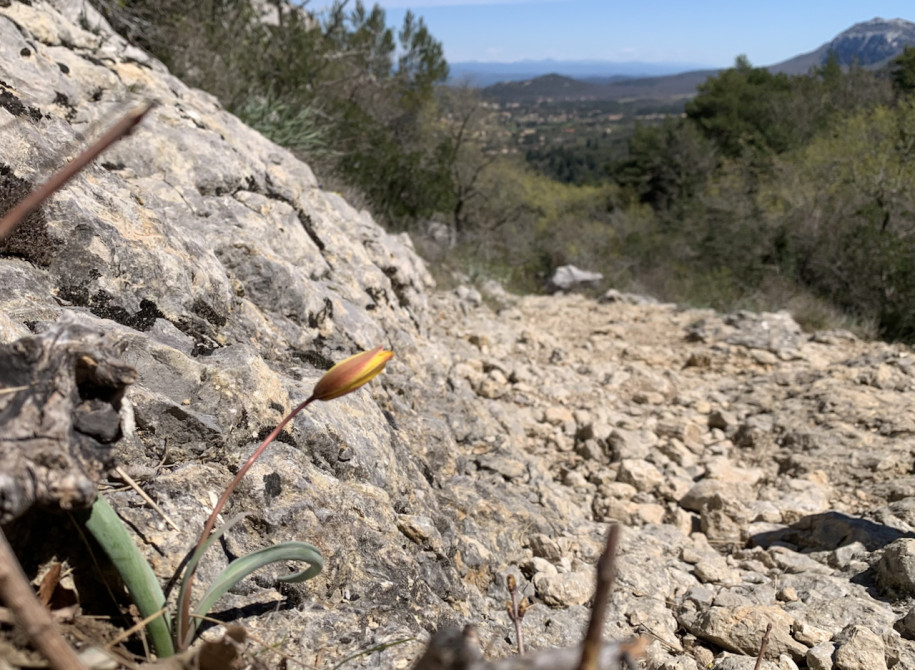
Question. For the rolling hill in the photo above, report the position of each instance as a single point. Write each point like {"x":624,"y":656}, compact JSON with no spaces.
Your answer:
{"x":872,"y":44}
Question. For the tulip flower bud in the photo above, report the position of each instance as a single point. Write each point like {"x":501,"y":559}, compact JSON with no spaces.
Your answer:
{"x":351,"y":373}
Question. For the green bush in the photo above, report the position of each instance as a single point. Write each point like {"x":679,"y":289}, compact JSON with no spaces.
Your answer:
{"x":299,"y":129}
{"x":337,"y":86}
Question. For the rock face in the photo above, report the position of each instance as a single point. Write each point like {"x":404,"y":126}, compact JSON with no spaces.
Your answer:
{"x":761,"y":475}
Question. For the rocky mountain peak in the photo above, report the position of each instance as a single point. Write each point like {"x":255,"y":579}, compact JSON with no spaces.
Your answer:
{"x":873,"y":42}
{"x":869,"y":43}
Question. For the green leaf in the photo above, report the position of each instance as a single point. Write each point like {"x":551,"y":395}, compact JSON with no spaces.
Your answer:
{"x":244,"y":566}
{"x":111,"y":534}
{"x":190,"y":568}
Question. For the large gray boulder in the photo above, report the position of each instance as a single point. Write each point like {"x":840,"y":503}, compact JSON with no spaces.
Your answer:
{"x":569,"y":277}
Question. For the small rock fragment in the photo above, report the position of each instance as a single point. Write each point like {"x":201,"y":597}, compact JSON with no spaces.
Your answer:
{"x":860,"y":648}
{"x":564,"y":590}
{"x":819,"y":657}
{"x":641,"y":474}
{"x":896,"y":568}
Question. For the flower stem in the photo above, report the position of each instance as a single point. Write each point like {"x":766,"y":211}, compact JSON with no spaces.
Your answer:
{"x":185,"y":604}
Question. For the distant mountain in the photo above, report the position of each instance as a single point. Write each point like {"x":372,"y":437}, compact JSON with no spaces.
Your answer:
{"x":485,"y":73}
{"x":871,"y":44}
{"x":554,"y":87}
{"x":681,"y":85}
{"x":549,"y":86}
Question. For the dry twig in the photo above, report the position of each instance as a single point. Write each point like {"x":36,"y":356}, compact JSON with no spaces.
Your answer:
{"x":35,"y":619}
{"x":121,"y":129}
{"x":762,"y":647}
{"x":152,"y":503}
{"x":516,"y":609}
{"x":606,"y":575}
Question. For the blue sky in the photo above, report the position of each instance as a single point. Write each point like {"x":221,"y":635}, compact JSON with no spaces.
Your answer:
{"x":704,"y":32}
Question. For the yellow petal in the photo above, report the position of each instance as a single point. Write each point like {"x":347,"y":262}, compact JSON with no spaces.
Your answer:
{"x":351,"y":373}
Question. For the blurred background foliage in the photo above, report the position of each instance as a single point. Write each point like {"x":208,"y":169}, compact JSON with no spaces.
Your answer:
{"x":765,"y":191}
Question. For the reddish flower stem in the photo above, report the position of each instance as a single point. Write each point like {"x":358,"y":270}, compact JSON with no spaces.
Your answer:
{"x":185,"y":604}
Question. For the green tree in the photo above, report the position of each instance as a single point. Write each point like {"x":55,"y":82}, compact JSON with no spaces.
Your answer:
{"x":755,"y":114}
{"x":848,"y":216}
{"x":337,"y":84}
{"x":668,"y":164}
{"x":421,"y":64}
{"x":737,"y":108}
{"x":903,"y":72}
{"x":385,"y":117}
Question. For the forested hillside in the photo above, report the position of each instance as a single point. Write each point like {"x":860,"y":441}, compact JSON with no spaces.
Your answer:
{"x":771,"y":191}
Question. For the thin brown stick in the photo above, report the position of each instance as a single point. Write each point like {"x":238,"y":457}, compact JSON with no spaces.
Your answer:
{"x":606,"y":575}
{"x":35,"y":619}
{"x":516,"y":611}
{"x":121,"y":129}
{"x":762,"y":647}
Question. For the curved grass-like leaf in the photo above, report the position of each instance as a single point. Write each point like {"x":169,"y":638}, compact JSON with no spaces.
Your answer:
{"x":244,"y":566}
{"x":189,"y":569}
{"x":111,"y":534}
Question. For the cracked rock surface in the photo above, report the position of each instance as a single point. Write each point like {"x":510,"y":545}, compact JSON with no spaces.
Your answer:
{"x":762,"y":475}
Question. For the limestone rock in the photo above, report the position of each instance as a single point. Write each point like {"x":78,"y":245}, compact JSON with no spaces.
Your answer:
{"x":641,"y":474}
{"x":741,"y":630}
{"x":896,"y":568}
{"x":706,"y":490}
{"x":629,"y":444}
{"x":568,"y":277}
{"x":906,"y":625}
{"x":859,"y":648}
{"x":819,"y":657}
{"x":564,"y":589}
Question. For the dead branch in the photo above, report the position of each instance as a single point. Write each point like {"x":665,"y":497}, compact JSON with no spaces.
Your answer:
{"x":606,"y":575}
{"x":121,"y":129}
{"x":31,"y":615}
{"x":762,"y":647}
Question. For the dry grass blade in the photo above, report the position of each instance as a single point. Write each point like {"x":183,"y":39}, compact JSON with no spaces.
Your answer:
{"x":139,"y":626}
{"x":121,"y":129}
{"x":152,"y":503}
